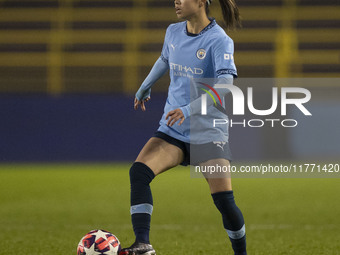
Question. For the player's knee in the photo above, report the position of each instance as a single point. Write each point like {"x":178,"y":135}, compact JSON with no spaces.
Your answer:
{"x":141,"y":173}
{"x":231,"y":214}
{"x":224,"y":201}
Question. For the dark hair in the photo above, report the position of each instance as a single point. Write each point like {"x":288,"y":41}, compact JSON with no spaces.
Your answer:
{"x":230,"y":12}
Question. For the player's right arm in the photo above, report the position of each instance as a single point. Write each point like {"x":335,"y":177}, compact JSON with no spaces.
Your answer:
{"x":158,"y":70}
{"x":143,"y":93}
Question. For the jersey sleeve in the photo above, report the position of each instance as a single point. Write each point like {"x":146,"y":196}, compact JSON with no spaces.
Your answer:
{"x":223,"y":55}
{"x":165,"y":50}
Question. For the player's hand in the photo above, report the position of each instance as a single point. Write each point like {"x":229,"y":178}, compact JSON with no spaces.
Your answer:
{"x":174,"y":116}
{"x":141,"y":103}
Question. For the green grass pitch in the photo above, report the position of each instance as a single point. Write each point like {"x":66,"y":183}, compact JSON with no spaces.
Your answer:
{"x":47,"y":208}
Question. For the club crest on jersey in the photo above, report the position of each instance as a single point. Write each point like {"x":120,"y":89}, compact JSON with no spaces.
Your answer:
{"x":201,"y":54}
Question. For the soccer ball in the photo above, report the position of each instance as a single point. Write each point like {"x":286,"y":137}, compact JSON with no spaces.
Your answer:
{"x":99,"y":242}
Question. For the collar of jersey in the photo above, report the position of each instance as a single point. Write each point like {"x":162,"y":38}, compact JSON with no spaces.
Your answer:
{"x":211,"y":24}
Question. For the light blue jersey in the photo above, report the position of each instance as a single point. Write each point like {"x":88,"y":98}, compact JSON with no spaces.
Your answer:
{"x":206,"y":55}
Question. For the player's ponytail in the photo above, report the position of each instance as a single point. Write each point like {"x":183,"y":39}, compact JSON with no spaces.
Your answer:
{"x":230,"y":12}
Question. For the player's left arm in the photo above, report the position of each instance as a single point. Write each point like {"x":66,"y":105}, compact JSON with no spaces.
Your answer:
{"x":223,"y":57}
{"x":180,"y":114}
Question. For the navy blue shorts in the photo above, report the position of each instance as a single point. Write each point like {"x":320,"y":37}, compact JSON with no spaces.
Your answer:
{"x":195,"y":154}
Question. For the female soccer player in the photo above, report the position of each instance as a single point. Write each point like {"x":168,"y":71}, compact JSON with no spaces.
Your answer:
{"x":194,"y":48}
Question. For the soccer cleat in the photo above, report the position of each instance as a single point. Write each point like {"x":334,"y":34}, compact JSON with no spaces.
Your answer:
{"x":138,"y":249}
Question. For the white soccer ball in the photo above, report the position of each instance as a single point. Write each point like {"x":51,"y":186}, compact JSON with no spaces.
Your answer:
{"x":99,"y":242}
